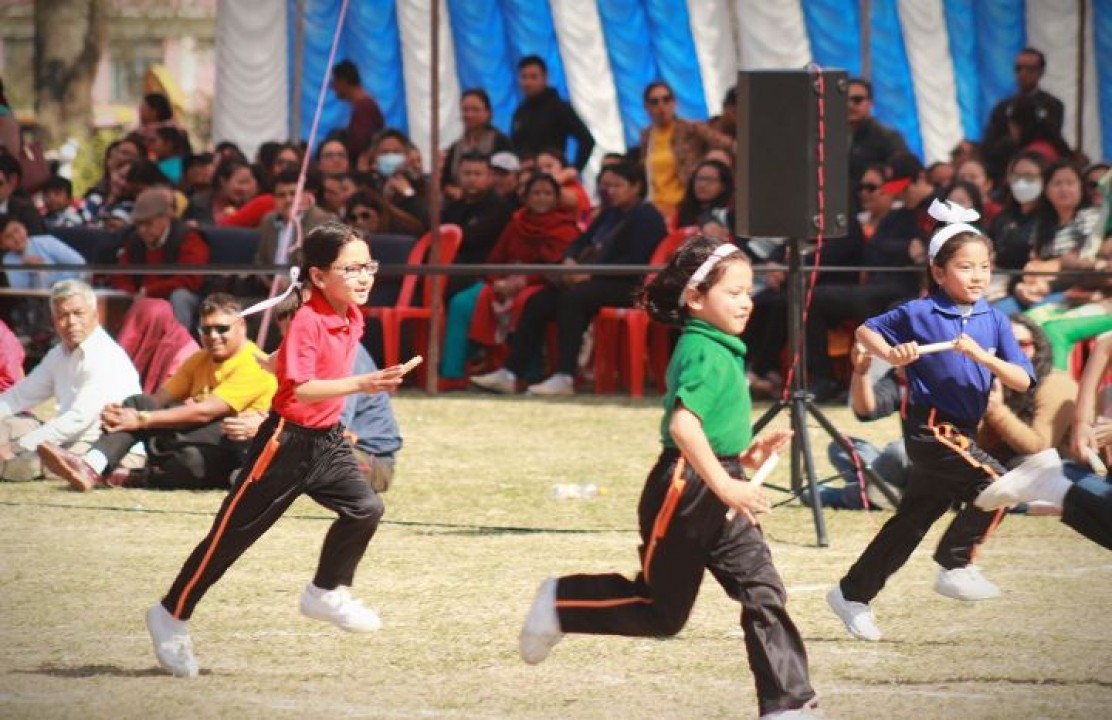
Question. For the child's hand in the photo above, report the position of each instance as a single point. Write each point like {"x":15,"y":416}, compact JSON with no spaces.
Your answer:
{"x":381,"y":381}
{"x":746,"y":499}
{"x":968,"y":347}
{"x":267,"y":362}
{"x":995,"y":395}
{"x":903,"y":354}
{"x":761,"y":447}
{"x":861,"y":358}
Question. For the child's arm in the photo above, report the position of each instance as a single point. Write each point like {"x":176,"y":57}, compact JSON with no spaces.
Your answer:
{"x":1011,"y":375}
{"x":313,"y":391}
{"x":1085,"y":412}
{"x":687,"y":430}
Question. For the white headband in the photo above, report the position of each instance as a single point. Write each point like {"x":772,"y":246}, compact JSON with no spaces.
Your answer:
{"x":958,"y":219}
{"x":703,"y":270}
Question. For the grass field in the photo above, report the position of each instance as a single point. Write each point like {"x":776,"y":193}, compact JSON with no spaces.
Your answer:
{"x":470,"y":530}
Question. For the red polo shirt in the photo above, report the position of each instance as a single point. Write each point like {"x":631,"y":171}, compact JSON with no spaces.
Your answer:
{"x":320,"y":345}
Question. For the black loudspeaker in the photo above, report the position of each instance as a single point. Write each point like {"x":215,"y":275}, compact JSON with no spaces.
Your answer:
{"x":778,"y":123}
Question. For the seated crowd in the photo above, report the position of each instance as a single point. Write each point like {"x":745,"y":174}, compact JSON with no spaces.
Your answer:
{"x":518,"y":199}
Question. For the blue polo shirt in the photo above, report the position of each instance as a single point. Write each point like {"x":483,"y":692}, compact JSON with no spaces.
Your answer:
{"x":948,"y":380}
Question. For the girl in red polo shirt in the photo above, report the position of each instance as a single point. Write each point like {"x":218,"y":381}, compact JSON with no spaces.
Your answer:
{"x":299,"y":449}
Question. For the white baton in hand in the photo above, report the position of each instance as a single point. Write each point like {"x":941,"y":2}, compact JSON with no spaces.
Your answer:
{"x":936,"y":347}
{"x":759,"y":477}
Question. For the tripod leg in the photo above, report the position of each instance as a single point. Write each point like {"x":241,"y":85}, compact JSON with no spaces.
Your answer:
{"x":769,"y":414}
{"x":799,"y":424}
{"x":841,"y":439}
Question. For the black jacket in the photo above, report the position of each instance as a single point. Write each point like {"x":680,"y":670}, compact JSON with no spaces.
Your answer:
{"x":545,"y":122}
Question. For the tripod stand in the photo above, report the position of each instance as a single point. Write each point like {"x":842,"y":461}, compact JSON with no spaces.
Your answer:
{"x":799,"y":401}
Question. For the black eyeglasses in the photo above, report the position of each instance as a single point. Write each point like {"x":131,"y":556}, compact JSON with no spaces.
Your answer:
{"x":351,"y":272}
{"x":858,"y":99}
{"x":660,"y":100}
{"x":206,"y":330}
{"x":868,"y":187}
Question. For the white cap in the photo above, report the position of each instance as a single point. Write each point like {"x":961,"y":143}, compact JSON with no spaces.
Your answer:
{"x":505,"y":161}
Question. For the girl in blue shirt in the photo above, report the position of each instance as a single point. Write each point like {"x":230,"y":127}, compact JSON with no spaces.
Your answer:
{"x":948,"y":395}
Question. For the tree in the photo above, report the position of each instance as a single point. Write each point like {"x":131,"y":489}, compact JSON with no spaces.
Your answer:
{"x":69,"y":39}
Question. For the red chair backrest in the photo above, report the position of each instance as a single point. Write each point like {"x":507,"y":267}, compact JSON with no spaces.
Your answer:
{"x":450,"y":239}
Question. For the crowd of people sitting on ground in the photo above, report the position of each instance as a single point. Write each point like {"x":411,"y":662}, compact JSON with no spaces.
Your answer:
{"x":518,"y":198}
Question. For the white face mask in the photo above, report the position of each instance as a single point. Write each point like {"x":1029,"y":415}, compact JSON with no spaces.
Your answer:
{"x":1024,"y":191}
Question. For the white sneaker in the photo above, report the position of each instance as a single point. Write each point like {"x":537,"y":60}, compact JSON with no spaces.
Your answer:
{"x":810,"y":711}
{"x":1039,"y":477}
{"x":500,"y":381}
{"x":541,"y":631}
{"x":965,"y":583}
{"x":339,"y":608}
{"x":858,"y":617}
{"x":172,"y":645}
{"x":558,"y":384}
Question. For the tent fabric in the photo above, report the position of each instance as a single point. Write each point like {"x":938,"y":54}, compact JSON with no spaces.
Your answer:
{"x":938,"y":66}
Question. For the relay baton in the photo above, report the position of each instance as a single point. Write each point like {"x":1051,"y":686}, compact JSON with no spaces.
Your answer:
{"x":936,"y":347}
{"x":759,"y":477}
{"x":1095,"y":462}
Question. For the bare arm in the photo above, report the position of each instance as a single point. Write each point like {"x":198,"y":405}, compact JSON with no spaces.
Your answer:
{"x":1085,"y":412}
{"x":687,"y":430}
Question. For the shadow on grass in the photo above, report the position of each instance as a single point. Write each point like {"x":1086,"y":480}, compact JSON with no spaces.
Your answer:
{"x":90,"y":671}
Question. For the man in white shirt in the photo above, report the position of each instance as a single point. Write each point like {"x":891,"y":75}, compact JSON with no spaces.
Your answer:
{"x":83,"y":373}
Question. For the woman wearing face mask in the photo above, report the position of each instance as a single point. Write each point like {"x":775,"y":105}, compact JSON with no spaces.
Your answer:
{"x":394,"y":177}
{"x":1013,"y":233}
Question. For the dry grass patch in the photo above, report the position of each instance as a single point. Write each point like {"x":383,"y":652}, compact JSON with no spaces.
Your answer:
{"x":470,"y":531}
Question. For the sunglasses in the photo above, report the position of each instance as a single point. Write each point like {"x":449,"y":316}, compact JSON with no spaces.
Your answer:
{"x":660,"y":100}
{"x":858,"y":99}
{"x":206,"y":330}
{"x":868,"y":187}
{"x":1026,"y":68}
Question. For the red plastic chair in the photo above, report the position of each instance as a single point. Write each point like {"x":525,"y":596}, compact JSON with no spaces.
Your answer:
{"x":404,"y":309}
{"x":622,"y":334}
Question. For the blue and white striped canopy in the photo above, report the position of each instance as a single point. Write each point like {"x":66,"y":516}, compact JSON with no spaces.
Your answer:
{"x":938,"y":66}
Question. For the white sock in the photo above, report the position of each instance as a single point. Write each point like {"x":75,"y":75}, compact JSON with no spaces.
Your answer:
{"x":96,"y":460}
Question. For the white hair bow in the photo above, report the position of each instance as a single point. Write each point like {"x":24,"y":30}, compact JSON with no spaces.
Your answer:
{"x":957,"y":219}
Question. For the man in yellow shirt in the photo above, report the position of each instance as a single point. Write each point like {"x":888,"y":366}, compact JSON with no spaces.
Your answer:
{"x":180,"y":425}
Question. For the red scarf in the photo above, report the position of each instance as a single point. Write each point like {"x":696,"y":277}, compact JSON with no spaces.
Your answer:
{"x":535,"y":238}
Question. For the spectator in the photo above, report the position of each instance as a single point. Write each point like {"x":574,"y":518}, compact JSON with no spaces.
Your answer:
{"x":287,"y":157}
{"x":671,"y":148}
{"x":487,"y":312}
{"x":967,"y":195}
{"x":23,"y":249}
{"x":234,"y":185}
{"x":155,"y":111}
{"x":392,"y":175}
{"x":726,"y":122}
{"x":709,"y":196}
{"x":998,"y":143}
{"x":117,"y":159}
{"x":155,"y":341}
{"x":11,"y":201}
{"x":1029,"y":131}
{"x":170,"y":147}
{"x":480,"y":212}
{"x":543,"y":121}
{"x":337,"y":191}
{"x":941,"y":174}
{"x":309,"y":215}
{"x":625,"y":233}
{"x":873,"y":203}
{"x":158,"y":238}
{"x":893,"y":245}
{"x":479,"y":136}
{"x":371,"y":214}
{"x":57,"y":200}
{"x":1093,"y":175}
{"x":11,"y":358}
{"x":573,"y":196}
{"x":1013,"y":231}
{"x":366,"y":117}
{"x":333,"y":157}
{"x":1067,"y":221}
{"x":197,"y":174}
{"x":10,"y":140}
{"x":180,"y":425}
{"x":973,"y":171}
{"x":228,"y":150}
{"x":114,"y":212}
{"x":505,"y":167}
{"x":870,"y":140}
{"x":82,"y":373}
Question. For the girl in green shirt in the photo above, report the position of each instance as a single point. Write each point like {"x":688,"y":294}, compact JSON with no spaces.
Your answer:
{"x":698,"y":478}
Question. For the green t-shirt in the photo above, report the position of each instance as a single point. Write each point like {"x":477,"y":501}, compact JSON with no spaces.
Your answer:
{"x":707,"y":374}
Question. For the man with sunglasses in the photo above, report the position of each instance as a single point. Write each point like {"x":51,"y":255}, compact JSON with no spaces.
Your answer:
{"x":997,"y":144}
{"x":181,"y":424}
{"x":871,"y":141}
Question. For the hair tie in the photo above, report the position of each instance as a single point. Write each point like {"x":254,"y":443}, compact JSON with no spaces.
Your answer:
{"x":295,"y":273}
{"x":957,"y":219}
{"x":703,"y":270}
